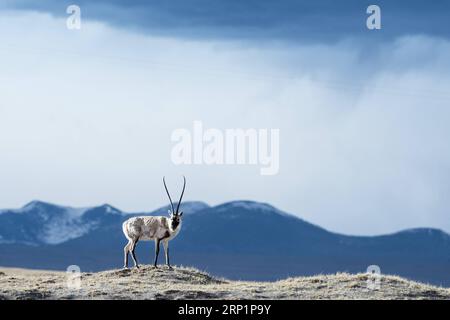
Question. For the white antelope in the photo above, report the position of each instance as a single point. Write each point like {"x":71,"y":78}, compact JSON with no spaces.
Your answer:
{"x":157,"y":228}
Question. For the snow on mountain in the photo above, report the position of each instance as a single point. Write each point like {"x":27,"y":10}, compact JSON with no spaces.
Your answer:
{"x":66,"y":226}
{"x":250,"y":206}
{"x":193,"y":206}
{"x":187,"y":207}
{"x":40,"y":222}
{"x":111,"y":210}
{"x":43,"y":223}
{"x":61,"y":230}
{"x":246,"y":205}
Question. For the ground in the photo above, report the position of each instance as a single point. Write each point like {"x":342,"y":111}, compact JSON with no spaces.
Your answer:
{"x":189,"y":283}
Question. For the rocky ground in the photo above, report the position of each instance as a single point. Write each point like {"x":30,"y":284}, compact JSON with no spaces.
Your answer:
{"x":189,"y":283}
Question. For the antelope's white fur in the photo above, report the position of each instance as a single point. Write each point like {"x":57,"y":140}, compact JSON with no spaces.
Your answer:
{"x":149,"y":228}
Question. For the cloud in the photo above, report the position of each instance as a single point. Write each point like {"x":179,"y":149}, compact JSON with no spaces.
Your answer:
{"x":87,"y":116}
{"x":255,"y":20}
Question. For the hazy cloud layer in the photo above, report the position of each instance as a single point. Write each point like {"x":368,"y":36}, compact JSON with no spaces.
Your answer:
{"x":86,"y":118}
{"x":291,"y":20}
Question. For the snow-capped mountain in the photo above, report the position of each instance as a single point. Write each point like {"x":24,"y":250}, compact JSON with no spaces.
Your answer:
{"x":238,"y":240}
{"x":39,"y":222}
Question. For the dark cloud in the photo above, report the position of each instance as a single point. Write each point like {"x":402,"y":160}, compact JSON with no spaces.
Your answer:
{"x":292,"y":20}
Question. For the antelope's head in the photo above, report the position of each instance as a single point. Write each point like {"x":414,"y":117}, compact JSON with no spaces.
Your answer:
{"x":175,"y":215}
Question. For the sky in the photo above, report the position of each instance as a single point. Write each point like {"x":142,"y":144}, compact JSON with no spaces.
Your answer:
{"x":86,"y":116}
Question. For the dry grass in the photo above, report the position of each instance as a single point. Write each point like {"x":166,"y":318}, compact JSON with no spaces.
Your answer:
{"x":189,"y":283}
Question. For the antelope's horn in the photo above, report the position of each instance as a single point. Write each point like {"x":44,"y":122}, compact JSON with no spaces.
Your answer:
{"x":182,"y":193}
{"x":168,"y":194}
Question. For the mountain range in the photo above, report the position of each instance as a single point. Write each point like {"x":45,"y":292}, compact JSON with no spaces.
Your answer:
{"x":241,"y":240}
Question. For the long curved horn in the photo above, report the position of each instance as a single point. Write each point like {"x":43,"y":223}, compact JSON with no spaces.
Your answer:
{"x":182,"y":193}
{"x":168,"y":194}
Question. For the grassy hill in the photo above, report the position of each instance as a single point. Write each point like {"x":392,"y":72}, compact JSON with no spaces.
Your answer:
{"x":189,"y":283}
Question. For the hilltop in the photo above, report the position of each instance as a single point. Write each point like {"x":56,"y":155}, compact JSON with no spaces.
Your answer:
{"x":189,"y":283}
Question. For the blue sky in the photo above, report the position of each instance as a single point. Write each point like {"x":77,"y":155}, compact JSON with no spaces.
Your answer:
{"x":86,"y":116}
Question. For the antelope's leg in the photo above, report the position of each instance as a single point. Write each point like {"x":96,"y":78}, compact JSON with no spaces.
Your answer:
{"x":133,"y":255}
{"x":157,"y":241}
{"x":126,"y":250}
{"x":166,"y":251}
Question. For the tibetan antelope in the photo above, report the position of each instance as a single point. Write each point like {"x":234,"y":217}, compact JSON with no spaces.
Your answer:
{"x":157,"y":228}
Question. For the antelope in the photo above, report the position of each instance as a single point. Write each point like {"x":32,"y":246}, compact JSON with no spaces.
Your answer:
{"x":157,"y":228}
